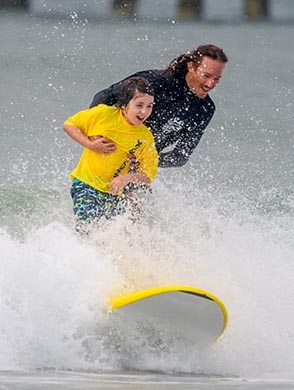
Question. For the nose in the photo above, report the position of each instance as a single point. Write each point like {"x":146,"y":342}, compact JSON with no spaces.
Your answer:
{"x":210,"y":83}
{"x":143,"y":110}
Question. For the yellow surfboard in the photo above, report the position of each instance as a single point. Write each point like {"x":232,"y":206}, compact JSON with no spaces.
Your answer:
{"x":190,"y":312}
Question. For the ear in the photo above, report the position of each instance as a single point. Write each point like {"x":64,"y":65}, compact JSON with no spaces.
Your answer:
{"x":190,"y":66}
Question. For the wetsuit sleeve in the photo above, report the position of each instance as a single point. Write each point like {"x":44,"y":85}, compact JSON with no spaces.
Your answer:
{"x":182,"y":151}
{"x":107,"y":96}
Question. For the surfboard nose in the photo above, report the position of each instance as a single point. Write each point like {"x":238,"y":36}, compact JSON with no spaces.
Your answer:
{"x":187,"y":312}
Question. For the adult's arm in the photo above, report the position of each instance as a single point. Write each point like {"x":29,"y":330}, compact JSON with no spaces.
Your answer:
{"x":107,"y":96}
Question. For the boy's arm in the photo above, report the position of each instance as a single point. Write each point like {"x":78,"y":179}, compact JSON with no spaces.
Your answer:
{"x":118,"y":183}
{"x":97,"y":144}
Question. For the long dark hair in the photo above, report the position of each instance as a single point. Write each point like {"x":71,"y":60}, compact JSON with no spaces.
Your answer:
{"x":130,"y":87}
{"x":178,"y":66}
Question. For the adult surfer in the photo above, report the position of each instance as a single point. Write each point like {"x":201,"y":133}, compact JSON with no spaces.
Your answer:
{"x":183,"y":107}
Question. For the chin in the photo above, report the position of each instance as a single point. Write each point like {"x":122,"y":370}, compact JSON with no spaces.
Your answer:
{"x":200,"y":94}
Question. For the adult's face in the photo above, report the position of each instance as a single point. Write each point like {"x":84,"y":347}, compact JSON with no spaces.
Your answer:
{"x":203,"y":79}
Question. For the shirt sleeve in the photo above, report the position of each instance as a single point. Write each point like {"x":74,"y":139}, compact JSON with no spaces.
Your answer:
{"x":81,"y":120}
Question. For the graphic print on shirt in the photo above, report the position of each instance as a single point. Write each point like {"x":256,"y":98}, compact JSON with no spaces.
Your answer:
{"x":138,"y":144}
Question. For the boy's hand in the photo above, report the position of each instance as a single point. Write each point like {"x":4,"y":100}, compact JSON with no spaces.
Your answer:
{"x":118,"y":184}
{"x":101,"y":145}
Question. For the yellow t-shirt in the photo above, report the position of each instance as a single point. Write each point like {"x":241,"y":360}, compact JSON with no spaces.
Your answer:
{"x":98,"y":170}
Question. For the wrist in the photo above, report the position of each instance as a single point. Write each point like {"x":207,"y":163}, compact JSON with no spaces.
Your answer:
{"x":87,"y":143}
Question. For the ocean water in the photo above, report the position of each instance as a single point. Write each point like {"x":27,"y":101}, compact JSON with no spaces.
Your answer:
{"x":223,"y":223}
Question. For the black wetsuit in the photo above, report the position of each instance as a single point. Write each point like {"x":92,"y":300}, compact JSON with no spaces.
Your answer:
{"x":179,"y":117}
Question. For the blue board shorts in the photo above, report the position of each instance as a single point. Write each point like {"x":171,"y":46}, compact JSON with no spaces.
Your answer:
{"x":90,"y":205}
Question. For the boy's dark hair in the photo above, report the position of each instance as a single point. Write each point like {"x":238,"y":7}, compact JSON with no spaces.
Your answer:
{"x":130,"y":87}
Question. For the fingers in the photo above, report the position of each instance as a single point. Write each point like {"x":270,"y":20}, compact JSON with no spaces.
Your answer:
{"x":109,"y":148}
{"x":117,"y":185}
{"x":108,"y":144}
{"x":114,"y":188}
{"x":103,"y":145}
{"x":106,"y":141}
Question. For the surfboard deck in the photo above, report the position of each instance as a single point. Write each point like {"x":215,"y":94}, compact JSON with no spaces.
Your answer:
{"x":192,"y":313}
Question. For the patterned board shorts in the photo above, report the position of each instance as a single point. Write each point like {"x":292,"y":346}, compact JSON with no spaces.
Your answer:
{"x":90,"y":205}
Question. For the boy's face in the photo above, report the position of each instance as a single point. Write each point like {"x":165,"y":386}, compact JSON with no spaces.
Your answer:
{"x":138,"y":109}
